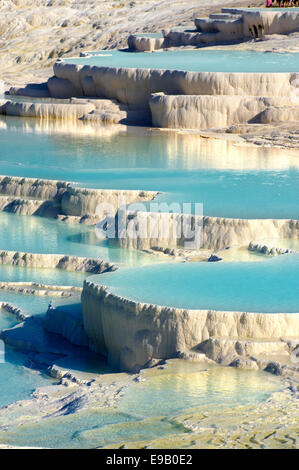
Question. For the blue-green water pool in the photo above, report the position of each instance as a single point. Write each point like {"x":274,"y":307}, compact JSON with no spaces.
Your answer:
{"x":29,"y":304}
{"x":184,"y":168}
{"x":58,"y":277}
{"x":145,"y":411}
{"x":195,"y":60}
{"x":43,"y":235}
{"x":17,"y":382}
{"x":271,"y":286}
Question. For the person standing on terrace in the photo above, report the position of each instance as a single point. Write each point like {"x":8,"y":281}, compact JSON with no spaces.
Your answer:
{"x":268,"y":3}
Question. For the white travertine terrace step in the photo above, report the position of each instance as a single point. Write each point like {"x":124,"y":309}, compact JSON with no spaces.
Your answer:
{"x":55,"y":261}
{"x":216,"y":111}
{"x":131,"y":333}
{"x":30,"y":196}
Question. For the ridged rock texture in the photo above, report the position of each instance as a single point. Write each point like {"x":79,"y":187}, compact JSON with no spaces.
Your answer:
{"x":50,"y":198}
{"x":66,"y":262}
{"x":216,"y":232}
{"x":204,"y":112}
{"x":131,"y":333}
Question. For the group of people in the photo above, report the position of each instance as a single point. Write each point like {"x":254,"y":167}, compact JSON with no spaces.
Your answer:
{"x":282,"y":3}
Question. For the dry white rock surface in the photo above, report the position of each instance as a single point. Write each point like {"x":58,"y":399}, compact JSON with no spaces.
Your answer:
{"x":34,"y":33}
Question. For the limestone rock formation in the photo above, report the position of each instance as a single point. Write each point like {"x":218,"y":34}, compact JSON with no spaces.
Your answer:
{"x":131,"y":333}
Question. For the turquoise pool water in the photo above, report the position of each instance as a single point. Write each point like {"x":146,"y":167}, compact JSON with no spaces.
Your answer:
{"x":42,"y":235}
{"x":17,"y":382}
{"x":146,"y":35}
{"x":185,"y":168}
{"x":271,"y":286}
{"x":146,"y":409}
{"x":29,"y":304}
{"x":192,"y":385}
{"x":195,"y":60}
{"x":45,"y":276}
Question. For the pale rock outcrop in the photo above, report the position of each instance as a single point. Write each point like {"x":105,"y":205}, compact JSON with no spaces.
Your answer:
{"x":13,"y":310}
{"x":82,"y":201}
{"x":29,"y":206}
{"x":222,"y":350}
{"x":47,"y":110}
{"x":55,"y":261}
{"x":35,"y":90}
{"x":134,"y":86}
{"x":39,"y":289}
{"x":131,"y":333}
{"x":257,"y":22}
{"x":62,"y":88}
{"x":34,"y":188}
{"x":206,"y":111}
{"x":232,"y":26}
{"x":66,"y":319}
{"x":143,"y":43}
{"x":215,"y":232}
{"x":50,"y":198}
{"x":279,"y":114}
{"x":266,"y":249}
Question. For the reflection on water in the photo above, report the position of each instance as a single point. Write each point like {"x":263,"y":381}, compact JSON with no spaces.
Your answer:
{"x":118,"y":146}
{"x":43,"y":235}
{"x":186,"y":168}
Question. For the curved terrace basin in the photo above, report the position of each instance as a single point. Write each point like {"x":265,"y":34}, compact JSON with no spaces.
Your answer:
{"x":192,"y":385}
{"x":58,"y":277}
{"x":29,"y":304}
{"x":43,"y":235}
{"x":195,"y":60}
{"x":271,"y":286}
{"x":185,"y":168}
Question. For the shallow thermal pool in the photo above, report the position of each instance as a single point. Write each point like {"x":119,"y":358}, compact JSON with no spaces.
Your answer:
{"x":195,"y":60}
{"x":145,"y":411}
{"x":43,"y":235}
{"x":185,"y":168}
{"x":269,"y":286}
{"x":22,"y":381}
{"x":29,"y":304}
{"x":16,"y":381}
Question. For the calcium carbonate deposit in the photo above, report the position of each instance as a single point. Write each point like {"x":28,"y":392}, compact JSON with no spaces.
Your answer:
{"x":149,"y":224}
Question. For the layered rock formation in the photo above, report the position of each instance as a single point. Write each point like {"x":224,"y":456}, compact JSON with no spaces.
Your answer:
{"x":197,"y":99}
{"x":256,"y":23}
{"x":134,"y":86}
{"x":267,"y":249}
{"x":53,"y":261}
{"x":233,"y":25}
{"x":39,"y":289}
{"x":130,"y":333}
{"x":213,"y":232}
{"x":50,"y":198}
{"x":206,"y":111}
